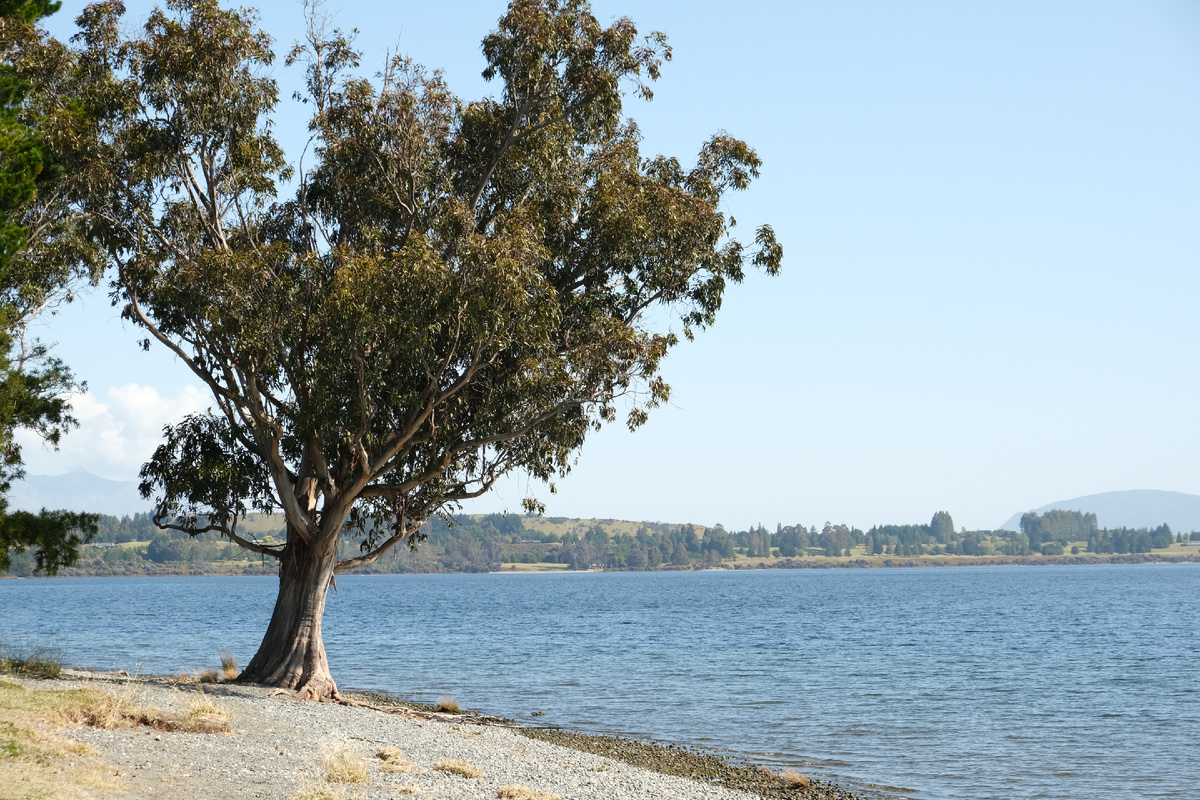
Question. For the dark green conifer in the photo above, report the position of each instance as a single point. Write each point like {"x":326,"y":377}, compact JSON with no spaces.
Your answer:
{"x":34,"y":275}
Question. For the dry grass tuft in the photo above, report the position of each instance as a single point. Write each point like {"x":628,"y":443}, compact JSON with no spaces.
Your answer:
{"x":99,"y":709}
{"x":316,"y":793}
{"x":404,"y":767}
{"x":391,"y":759}
{"x":515,"y":792}
{"x":793,"y":778}
{"x":38,"y":764}
{"x":202,"y":712}
{"x":461,"y":768}
{"x":343,"y":766}
{"x":447,"y":705}
{"x":31,"y":659}
{"x":389,"y":754}
{"x":209,"y":676}
{"x":201,"y":716}
{"x":229,"y":667}
{"x":183,"y":676}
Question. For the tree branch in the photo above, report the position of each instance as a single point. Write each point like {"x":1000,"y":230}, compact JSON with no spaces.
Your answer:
{"x":373,"y":556}
{"x":233,"y":537}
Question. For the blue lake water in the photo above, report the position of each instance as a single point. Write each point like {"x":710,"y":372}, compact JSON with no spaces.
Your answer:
{"x":1004,"y":682}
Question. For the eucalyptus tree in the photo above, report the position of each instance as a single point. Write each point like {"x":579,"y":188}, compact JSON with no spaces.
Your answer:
{"x":43,"y":259}
{"x":448,"y":290}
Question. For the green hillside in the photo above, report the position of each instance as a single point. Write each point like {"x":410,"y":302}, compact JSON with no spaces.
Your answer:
{"x":514,"y":542}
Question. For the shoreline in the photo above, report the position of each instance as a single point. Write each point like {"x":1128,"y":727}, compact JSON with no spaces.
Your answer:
{"x":268,"y":725}
{"x":667,"y":758}
{"x":901,"y":562}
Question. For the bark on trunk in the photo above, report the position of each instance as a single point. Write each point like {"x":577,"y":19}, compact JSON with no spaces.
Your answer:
{"x":292,"y":654}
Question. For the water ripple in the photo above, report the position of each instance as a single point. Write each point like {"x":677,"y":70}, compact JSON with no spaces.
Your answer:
{"x":982,"y":683}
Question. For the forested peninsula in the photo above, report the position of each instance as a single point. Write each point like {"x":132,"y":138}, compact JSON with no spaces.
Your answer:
{"x":134,"y":545}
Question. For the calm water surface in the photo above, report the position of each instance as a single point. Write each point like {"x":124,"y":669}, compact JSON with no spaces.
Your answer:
{"x":1005,"y":682}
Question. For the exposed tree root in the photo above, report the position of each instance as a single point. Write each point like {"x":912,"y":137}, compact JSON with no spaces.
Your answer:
{"x":317,"y":690}
{"x":318,"y":687}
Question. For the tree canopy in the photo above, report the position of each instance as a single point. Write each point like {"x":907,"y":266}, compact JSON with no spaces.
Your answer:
{"x":442,"y":291}
{"x":43,"y":257}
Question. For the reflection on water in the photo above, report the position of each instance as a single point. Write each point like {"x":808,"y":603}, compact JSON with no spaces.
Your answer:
{"x":1005,"y":682}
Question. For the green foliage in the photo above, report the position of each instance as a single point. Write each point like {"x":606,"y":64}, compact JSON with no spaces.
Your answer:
{"x":21,"y":155}
{"x":138,"y":528}
{"x":1058,"y":526}
{"x":1128,"y":540}
{"x":44,"y":252}
{"x":833,"y":539}
{"x":906,"y":535}
{"x":791,"y":540}
{"x":941,"y":527}
{"x":163,"y":549}
{"x":1051,"y":532}
{"x":55,"y":537}
{"x":43,"y":255}
{"x":717,"y":540}
{"x":456,"y":290}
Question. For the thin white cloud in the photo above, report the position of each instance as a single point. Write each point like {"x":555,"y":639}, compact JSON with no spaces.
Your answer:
{"x":116,"y":435}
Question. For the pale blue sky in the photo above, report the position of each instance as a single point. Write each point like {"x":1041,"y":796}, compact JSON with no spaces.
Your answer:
{"x":991,"y":218}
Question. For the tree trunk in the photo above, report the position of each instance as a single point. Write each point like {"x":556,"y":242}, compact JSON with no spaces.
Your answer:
{"x":292,"y":655}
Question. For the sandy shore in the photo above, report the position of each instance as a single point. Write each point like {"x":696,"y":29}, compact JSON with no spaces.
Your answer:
{"x":278,"y":744}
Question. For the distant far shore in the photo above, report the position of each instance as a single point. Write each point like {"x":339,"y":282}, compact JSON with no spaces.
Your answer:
{"x":135,"y":546}
{"x":256,"y":569}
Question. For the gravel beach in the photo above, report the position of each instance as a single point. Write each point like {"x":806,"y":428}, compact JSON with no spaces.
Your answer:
{"x":277,"y":746}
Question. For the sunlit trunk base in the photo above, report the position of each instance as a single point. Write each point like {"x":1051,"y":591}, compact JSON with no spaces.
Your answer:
{"x":292,"y":655}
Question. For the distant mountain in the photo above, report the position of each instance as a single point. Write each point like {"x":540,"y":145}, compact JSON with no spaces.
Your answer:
{"x":1137,"y":508}
{"x":78,"y":490}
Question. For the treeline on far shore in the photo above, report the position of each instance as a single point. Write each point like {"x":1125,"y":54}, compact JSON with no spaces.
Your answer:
{"x":487,"y":543}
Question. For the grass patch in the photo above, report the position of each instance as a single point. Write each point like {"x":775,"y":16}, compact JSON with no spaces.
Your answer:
{"x":461,"y":768}
{"x":37,"y":764}
{"x":447,"y":705}
{"x":229,"y":667}
{"x":100,"y":709}
{"x":391,"y":759}
{"x":50,"y":767}
{"x":515,"y":792}
{"x":316,"y":793}
{"x":407,"y":790}
{"x":389,"y":754}
{"x":201,"y":715}
{"x":29,"y":659}
{"x":209,"y":676}
{"x":202,"y":712}
{"x":343,"y":766}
